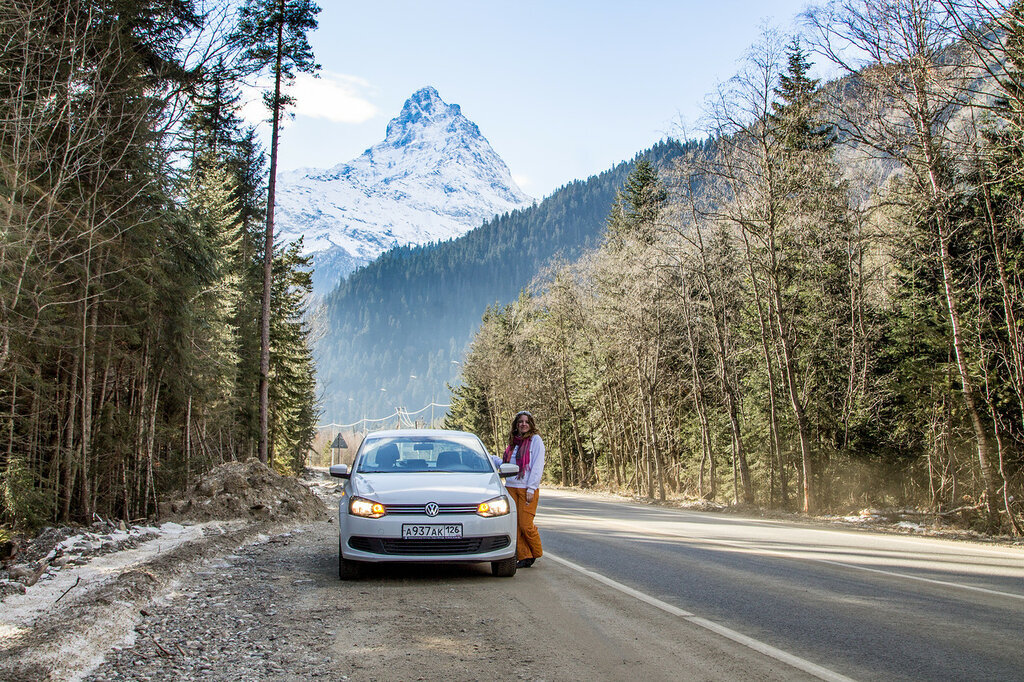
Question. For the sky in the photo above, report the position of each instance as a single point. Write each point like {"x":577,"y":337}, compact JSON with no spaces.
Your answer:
{"x":562,"y":90}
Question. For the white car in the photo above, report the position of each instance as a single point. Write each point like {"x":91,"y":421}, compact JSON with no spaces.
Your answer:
{"x":425,"y":495}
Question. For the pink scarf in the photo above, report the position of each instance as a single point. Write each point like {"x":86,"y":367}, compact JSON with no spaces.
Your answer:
{"x":522,"y":455}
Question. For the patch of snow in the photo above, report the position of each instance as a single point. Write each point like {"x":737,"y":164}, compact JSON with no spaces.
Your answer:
{"x":911,"y":526}
{"x":20,"y":610}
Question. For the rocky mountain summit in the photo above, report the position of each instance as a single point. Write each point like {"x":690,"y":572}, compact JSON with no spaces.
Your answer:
{"x":433,"y":177}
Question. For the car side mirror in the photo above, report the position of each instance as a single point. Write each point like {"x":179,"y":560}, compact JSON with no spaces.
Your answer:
{"x":339,"y":471}
{"x":507,"y":469}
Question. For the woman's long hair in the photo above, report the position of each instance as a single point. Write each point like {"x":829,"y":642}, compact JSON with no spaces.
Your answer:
{"x":514,"y":432}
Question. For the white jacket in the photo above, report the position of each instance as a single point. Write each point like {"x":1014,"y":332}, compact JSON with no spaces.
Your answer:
{"x":529,"y":479}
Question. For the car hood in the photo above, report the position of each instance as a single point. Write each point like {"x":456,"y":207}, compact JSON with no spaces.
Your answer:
{"x":420,"y":488}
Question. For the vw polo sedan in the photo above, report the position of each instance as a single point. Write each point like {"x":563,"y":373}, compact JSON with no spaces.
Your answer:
{"x":425,"y":495}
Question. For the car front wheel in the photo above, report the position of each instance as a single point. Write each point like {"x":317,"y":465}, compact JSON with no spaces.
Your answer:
{"x":506,"y":568}
{"x":347,"y":569}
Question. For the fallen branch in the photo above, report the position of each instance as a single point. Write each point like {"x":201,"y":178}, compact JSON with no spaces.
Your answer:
{"x":77,"y":580}
{"x":38,"y":573}
{"x":163,"y":650}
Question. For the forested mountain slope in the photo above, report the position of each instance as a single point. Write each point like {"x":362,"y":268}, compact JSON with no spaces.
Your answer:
{"x":402,"y":322}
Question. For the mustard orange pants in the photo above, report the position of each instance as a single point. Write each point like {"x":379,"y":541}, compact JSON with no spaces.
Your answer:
{"x":528,"y":543}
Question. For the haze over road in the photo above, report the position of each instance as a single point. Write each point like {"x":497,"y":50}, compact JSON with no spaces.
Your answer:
{"x":859,"y":604}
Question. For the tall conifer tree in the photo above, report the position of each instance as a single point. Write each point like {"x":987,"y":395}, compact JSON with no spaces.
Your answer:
{"x":274,"y":32}
{"x":637,"y":205}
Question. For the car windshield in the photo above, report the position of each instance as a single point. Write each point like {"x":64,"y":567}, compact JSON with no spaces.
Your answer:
{"x":407,"y":454}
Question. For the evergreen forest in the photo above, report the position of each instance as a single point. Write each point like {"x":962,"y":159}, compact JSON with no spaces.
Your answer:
{"x":820,"y":312}
{"x":132,"y":222}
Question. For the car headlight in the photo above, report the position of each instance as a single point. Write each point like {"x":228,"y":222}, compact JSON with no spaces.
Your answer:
{"x":360,"y":506}
{"x":499,"y":506}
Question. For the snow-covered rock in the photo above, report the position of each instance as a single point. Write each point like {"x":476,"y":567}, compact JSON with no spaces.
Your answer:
{"x":433,"y":177}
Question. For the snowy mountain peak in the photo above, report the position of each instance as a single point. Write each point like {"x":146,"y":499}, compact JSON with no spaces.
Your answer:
{"x":433,"y":177}
{"x":424,"y":107}
{"x":423,"y":116}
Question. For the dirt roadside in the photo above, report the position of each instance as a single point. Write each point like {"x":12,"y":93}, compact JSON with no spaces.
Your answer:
{"x":72,"y":629}
{"x":71,"y":594}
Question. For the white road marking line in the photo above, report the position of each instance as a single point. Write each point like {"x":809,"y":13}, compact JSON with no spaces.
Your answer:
{"x":749,"y":642}
{"x":944,"y":583}
{"x":787,"y":555}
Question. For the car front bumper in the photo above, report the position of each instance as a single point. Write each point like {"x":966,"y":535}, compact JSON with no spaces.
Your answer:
{"x":378,"y":540}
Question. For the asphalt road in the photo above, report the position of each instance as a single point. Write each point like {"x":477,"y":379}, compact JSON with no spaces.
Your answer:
{"x":858,"y":604}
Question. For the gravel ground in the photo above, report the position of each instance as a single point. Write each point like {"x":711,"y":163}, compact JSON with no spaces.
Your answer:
{"x":71,"y":596}
{"x":247,"y":615}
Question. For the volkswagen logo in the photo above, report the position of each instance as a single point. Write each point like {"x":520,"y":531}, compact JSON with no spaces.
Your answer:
{"x":431,"y":509}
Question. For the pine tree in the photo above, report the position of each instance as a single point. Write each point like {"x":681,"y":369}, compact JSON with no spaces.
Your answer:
{"x":248,"y":168}
{"x":274,"y":35}
{"x":637,"y":206}
{"x":805,"y":261}
{"x":796,"y":111}
{"x":203,"y":335}
{"x":293,"y":410}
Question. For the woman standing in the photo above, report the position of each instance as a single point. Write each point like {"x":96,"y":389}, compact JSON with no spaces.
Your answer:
{"x":525,"y":449}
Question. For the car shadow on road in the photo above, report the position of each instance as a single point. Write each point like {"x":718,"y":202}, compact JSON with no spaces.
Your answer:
{"x":425,"y":572}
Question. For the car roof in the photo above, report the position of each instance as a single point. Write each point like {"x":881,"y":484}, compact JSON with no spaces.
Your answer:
{"x":417,"y":433}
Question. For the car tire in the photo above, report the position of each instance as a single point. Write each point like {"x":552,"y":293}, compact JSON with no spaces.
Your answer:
{"x":506,"y":568}
{"x":347,"y":569}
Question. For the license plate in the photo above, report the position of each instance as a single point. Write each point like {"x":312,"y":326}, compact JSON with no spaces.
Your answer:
{"x":431,"y":530}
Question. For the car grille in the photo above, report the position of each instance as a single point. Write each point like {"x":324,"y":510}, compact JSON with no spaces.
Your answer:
{"x":429,"y":547}
{"x":419,"y":508}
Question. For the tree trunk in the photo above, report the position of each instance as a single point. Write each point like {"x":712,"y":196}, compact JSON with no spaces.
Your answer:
{"x":150,"y":449}
{"x":718,"y":315}
{"x":268,"y":252}
{"x":572,"y":415}
{"x":988,"y":472}
{"x":937,"y":186}
{"x":1016,"y":360}
{"x":792,"y":385}
{"x":188,"y":440}
{"x":70,"y":444}
{"x":769,"y":368}
{"x":693,"y":342}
